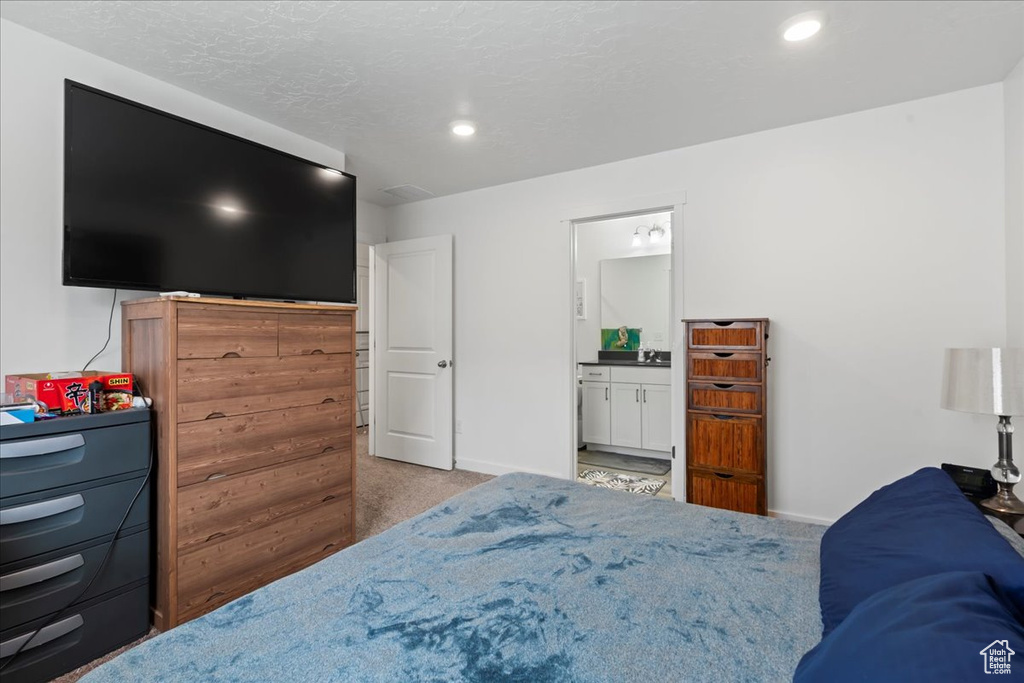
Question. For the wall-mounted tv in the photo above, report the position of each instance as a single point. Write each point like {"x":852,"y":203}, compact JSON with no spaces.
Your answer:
{"x":153,"y":201}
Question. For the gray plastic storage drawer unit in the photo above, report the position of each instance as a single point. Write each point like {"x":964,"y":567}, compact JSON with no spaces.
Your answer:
{"x":65,"y":487}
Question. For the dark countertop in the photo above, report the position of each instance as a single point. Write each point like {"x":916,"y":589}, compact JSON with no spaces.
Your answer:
{"x":632,"y":363}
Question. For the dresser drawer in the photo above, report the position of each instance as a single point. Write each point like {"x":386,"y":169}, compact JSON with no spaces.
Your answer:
{"x":78,"y":637}
{"x":224,"y":570}
{"x":37,"y":587}
{"x":725,"y":491}
{"x":726,"y":335}
{"x":725,"y":398}
{"x":47,"y":462}
{"x":236,"y":386}
{"x":213,"y":448}
{"x":32,"y":525}
{"x":725,"y":366}
{"x":596,"y":373}
{"x":725,"y":442}
{"x":211,"y":333}
{"x":234,"y":505}
{"x":312,"y":334}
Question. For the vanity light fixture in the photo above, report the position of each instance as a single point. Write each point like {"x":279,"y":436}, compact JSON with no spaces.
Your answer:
{"x":638,"y":239}
{"x":649,"y":235}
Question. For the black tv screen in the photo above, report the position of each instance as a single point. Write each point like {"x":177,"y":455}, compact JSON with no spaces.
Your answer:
{"x":155,"y":202}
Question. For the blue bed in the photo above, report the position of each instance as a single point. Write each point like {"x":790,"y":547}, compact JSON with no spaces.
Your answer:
{"x":522,"y":578}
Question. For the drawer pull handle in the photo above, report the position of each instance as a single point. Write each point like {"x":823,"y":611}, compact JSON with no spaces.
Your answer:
{"x":723,"y":355}
{"x":724,"y":386}
{"x":595,"y":374}
{"x":637,"y":395}
{"x":27,"y":449}
{"x":215,"y":595}
{"x":215,"y":416}
{"x":215,"y":535}
{"x":723,"y":476}
{"x":47,"y":508}
{"x":43,"y":572}
{"x":327,"y":448}
{"x":327,"y":498}
{"x":328,"y":400}
{"x":40,"y":637}
{"x":329,"y":545}
{"x":217,"y":475}
{"x":316,"y":352}
{"x":723,"y":417}
{"x":232,"y":354}
{"x":723,"y":324}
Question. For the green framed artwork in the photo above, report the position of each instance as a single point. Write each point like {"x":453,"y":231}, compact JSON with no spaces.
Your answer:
{"x":620,"y":338}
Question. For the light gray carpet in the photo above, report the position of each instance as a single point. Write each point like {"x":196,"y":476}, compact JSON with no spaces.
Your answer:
{"x":387,"y":492}
{"x":630,"y":463}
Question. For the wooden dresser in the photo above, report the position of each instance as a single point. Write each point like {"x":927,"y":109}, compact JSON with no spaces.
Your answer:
{"x":727,"y":409}
{"x":256,"y":445}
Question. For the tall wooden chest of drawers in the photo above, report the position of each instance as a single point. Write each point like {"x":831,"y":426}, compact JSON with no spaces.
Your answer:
{"x":726,"y":413}
{"x":256,"y":445}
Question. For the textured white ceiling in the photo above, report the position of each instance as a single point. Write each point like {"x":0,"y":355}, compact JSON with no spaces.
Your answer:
{"x":553,"y":85}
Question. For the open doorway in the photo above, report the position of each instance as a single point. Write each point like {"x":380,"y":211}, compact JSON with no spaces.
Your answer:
{"x":623,"y":307}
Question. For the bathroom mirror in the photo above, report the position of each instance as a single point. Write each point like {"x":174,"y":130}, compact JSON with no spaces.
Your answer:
{"x":635,"y":294}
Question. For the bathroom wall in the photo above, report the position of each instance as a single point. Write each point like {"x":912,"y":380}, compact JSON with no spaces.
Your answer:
{"x":596,"y":242}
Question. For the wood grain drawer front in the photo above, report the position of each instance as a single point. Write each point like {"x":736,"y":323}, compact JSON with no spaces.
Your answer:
{"x":204,"y":333}
{"x":313,"y":334}
{"x":726,"y":442}
{"x":236,"y":386}
{"x":725,"y":366}
{"x":227,"y":568}
{"x":726,"y":335}
{"x":215,"y":448}
{"x":725,"y":398}
{"x":725,"y":491}
{"x":225,"y":507}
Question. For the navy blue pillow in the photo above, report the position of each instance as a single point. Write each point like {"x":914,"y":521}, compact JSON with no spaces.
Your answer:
{"x":914,"y":527}
{"x":930,"y":629}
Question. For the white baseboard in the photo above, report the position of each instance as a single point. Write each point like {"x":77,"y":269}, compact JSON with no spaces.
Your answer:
{"x":484,"y":467}
{"x":800,"y":518}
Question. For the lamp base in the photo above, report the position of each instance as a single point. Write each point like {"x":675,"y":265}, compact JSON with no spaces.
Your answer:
{"x":1004,"y":501}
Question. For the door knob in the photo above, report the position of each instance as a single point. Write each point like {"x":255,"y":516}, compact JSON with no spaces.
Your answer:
{"x":442,"y":363}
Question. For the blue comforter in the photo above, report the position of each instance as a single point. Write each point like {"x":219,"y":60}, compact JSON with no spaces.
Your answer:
{"x":524,"y":578}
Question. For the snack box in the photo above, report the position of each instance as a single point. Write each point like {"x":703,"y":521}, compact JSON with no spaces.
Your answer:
{"x":67,"y":393}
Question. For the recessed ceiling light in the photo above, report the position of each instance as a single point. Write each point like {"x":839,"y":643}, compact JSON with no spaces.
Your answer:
{"x":802,"y":27}
{"x":463,"y":128}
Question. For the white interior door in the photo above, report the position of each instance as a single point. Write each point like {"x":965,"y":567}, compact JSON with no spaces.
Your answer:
{"x":413,"y":351}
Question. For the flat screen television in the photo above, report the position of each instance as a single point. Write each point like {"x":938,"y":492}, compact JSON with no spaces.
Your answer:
{"x":153,"y":201}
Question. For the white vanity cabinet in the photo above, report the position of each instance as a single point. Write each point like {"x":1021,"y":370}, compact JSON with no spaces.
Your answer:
{"x":628,"y":408}
{"x":596,"y":414}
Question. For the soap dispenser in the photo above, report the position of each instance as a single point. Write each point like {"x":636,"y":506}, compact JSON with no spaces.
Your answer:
{"x":640,"y":354}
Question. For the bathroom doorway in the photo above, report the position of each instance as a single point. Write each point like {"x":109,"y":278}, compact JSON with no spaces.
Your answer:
{"x":624,"y":330}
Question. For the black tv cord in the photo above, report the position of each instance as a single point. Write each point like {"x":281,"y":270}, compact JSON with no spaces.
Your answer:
{"x":110,"y":324}
{"x":110,"y":549}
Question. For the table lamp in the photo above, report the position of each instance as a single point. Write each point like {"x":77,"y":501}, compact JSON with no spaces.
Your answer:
{"x":991,"y":382}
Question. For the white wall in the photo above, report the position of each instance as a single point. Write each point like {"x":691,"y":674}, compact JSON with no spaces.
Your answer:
{"x":371,"y":225}
{"x":43,"y":325}
{"x":1013,"y":118}
{"x":871,"y":240}
{"x":595,"y":242}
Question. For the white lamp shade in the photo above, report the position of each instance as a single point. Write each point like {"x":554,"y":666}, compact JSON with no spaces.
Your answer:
{"x":989,"y":381}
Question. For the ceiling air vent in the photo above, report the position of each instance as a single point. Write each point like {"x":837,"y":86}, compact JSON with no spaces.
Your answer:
{"x":408,"y":193}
